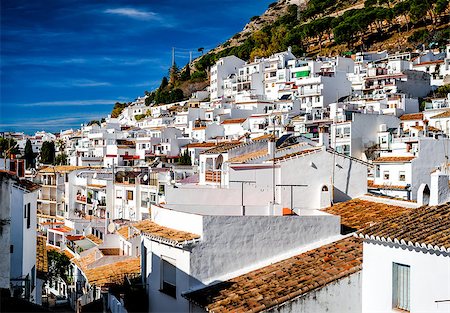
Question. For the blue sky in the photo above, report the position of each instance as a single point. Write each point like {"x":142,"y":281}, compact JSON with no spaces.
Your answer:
{"x":65,"y":62}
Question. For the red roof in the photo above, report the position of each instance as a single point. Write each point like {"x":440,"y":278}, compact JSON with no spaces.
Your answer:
{"x":234,"y":121}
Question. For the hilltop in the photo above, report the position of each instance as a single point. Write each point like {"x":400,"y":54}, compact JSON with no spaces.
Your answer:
{"x":325,"y":27}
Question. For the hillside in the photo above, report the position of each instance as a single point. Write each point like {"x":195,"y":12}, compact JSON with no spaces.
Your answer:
{"x":325,"y":27}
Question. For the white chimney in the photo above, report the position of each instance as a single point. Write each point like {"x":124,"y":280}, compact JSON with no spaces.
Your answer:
{"x":324,"y":137}
{"x":439,"y":189}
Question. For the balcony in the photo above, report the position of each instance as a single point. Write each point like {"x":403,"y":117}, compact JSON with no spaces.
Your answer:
{"x":213,"y":176}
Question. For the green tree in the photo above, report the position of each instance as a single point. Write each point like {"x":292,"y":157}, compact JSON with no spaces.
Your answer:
{"x":8,"y":145}
{"x":58,"y":266}
{"x":185,"y":159}
{"x":186,"y":74}
{"x":48,"y":152}
{"x":29,"y":154}
{"x":61,"y":159}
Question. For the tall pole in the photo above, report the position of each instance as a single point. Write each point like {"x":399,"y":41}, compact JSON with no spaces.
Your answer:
{"x":190,"y":57}
{"x":173,"y":56}
{"x":273,"y":161}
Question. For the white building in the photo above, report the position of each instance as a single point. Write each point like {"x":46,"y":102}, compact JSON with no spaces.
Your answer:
{"x":220,"y":71}
{"x":18,"y":200}
{"x":406,"y":264}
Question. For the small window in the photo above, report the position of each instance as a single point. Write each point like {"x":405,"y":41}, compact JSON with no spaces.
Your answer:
{"x":386,"y":175}
{"x":119,"y":194}
{"x":28,"y":215}
{"x":324,"y":188}
{"x":400,"y":286}
{"x":168,"y":277}
{"x":377,"y":171}
{"x":402,"y":176}
{"x":129,"y":195}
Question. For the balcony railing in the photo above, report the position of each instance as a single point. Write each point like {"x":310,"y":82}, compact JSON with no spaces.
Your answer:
{"x":213,"y":176}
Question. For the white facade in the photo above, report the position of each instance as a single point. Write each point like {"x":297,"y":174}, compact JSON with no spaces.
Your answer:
{"x":429,"y":278}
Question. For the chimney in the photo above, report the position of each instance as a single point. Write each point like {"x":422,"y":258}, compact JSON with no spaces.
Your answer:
{"x":271,"y":146}
{"x":439,"y":188}
{"x":324,"y":137}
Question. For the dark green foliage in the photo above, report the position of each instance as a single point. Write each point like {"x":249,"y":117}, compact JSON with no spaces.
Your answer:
{"x":198,"y":75}
{"x":186,"y":74}
{"x":48,"y":152}
{"x":8,"y":146}
{"x":61,"y":159}
{"x":58,"y":266}
{"x":442,"y":91}
{"x":419,"y":36}
{"x":29,"y":154}
{"x":117,"y":109}
{"x":139,"y":117}
{"x":164,"y":83}
{"x":94,"y":122}
{"x":185,"y":159}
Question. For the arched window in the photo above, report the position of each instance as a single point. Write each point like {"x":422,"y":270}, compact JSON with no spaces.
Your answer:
{"x":324,"y":188}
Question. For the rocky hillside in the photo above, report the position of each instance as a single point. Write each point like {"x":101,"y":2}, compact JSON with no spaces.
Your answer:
{"x":325,"y":27}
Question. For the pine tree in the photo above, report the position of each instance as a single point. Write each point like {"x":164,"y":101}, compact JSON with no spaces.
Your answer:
{"x":29,"y":155}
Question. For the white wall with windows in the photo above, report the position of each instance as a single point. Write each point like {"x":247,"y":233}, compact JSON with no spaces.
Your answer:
{"x":397,"y":277}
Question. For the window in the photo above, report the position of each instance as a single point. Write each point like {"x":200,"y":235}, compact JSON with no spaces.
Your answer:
{"x":386,"y":175}
{"x":377,"y":171}
{"x":400,"y":286}
{"x":119,"y":194}
{"x":28,"y":215}
{"x":401,"y":176}
{"x":168,"y":277}
{"x":129,"y":195}
{"x":144,"y":199}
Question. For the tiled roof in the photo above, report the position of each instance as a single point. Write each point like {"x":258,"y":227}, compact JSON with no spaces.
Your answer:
{"x":156,"y":231}
{"x":41,"y":254}
{"x":358,"y":214}
{"x":248,"y":156}
{"x":430,"y":128}
{"x":234,"y":121}
{"x":264,"y":137}
{"x":222,"y":147}
{"x":429,"y":62}
{"x":113,"y":273}
{"x":96,"y":186}
{"x":411,"y":117}
{"x":280,"y":282}
{"x":297,"y":154}
{"x":442,"y":115}
{"x":61,"y":169}
{"x":425,"y":227}
{"x":394,"y":159}
{"x":370,"y":184}
{"x":123,"y":231}
{"x":62,"y":229}
{"x":94,"y":239}
{"x":201,"y":145}
{"x":24,"y":183}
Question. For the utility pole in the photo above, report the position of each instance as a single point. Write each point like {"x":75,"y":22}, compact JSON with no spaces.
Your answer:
{"x":242,"y":182}
{"x":190,"y":57}
{"x":292,"y":192}
{"x":173,"y":56}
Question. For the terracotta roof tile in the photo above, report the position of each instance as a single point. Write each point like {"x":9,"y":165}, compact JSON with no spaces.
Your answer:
{"x":113,"y":273}
{"x":41,"y":254}
{"x":358,"y":214}
{"x":444,"y":114}
{"x":61,"y":169}
{"x":152,"y":229}
{"x":427,"y":227}
{"x":297,"y":154}
{"x":264,"y":137}
{"x":234,"y":121}
{"x":394,"y":159}
{"x":280,"y":282}
{"x":411,"y":117}
{"x":123,"y":231}
{"x":248,"y":156}
{"x":201,"y":145}
{"x":94,"y":239}
{"x":370,"y":184}
{"x":223,"y":147}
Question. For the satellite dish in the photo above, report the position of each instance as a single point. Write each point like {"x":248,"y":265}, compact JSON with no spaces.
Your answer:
{"x":111,"y":228}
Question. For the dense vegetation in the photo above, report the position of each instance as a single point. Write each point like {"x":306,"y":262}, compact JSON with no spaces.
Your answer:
{"x":307,"y":30}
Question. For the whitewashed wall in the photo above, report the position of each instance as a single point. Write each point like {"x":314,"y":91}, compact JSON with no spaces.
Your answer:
{"x":429,"y":274}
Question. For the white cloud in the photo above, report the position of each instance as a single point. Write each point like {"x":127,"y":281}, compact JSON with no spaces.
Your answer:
{"x":71,"y":103}
{"x":134,"y":13}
